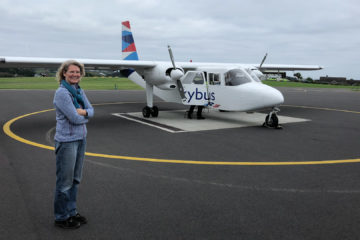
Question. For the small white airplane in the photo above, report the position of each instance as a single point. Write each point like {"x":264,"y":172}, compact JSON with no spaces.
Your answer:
{"x":223,"y":86}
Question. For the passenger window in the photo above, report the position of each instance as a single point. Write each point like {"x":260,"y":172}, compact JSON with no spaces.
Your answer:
{"x":214,"y":79}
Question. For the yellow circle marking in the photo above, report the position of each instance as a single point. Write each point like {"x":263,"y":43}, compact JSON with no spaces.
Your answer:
{"x":7,"y":130}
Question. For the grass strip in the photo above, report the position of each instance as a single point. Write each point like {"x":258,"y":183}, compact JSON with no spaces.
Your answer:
{"x":87,"y":83}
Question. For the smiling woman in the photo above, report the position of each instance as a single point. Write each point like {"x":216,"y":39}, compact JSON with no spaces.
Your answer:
{"x":72,"y":71}
{"x":73,"y":111}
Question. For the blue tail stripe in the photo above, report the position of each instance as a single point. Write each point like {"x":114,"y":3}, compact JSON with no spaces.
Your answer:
{"x":125,"y":33}
{"x":132,"y":56}
{"x":128,"y":38}
{"x":125,"y":45}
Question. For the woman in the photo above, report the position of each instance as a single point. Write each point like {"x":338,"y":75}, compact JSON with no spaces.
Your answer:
{"x":73,"y":111}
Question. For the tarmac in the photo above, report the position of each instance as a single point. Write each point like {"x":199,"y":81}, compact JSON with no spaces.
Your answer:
{"x":225,"y":177}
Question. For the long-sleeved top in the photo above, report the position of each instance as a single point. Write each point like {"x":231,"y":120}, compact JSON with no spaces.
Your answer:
{"x":70,"y":126}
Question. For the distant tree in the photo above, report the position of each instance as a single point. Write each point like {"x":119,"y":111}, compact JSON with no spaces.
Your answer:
{"x":14,"y":72}
{"x":6,"y":75}
{"x":25,"y":72}
{"x":309,"y":80}
{"x":88,"y":74}
{"x":298,"y":75}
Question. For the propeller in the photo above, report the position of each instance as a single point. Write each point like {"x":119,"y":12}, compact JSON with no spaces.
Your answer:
{"x":171,"y":57}
{"x":176,"y":74}
{"x":263,"y":60}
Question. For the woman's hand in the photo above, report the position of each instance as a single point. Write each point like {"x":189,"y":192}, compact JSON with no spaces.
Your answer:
{"x":81,"y":111}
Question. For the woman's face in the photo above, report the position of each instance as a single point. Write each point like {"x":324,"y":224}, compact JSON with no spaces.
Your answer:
{"x":73,"y":75}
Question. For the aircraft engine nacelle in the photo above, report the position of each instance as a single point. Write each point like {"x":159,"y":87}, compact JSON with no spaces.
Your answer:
{"x":167,"y":86}
{"x":162,"y":76}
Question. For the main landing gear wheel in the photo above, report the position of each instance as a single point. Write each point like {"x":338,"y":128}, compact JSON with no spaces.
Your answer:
{"x":154,"y":111}
{"x":147,"y":111}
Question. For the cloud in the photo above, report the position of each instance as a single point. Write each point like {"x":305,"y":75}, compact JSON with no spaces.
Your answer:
{"x":308,"y":32}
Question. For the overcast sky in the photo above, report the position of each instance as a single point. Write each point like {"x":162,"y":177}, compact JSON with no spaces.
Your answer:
{"x":321,"y":32}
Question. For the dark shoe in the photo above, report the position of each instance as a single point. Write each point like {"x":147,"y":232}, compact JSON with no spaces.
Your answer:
{"x":69,"y":223}
{"x":80,"y":219}
{"x":200,"y":117}
{"x":189,"y":115}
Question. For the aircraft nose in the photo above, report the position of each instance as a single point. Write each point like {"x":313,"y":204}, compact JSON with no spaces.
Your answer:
{"x":278,"y":98}
{"x":274,"y":96}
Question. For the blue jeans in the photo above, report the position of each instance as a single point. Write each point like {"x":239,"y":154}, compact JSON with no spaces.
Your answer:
{"x":69,"y":164}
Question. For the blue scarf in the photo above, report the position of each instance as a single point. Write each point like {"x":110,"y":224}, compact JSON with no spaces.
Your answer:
{"x":76,"y":93}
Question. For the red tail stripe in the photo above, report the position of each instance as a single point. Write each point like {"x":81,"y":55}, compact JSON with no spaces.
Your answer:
{"x":130,"y":48}
{"x":126,"y":24}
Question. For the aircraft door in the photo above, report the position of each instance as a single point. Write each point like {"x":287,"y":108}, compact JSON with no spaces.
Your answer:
{"x":195,"y":88}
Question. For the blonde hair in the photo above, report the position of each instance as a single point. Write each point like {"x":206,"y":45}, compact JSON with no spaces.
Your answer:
{"x":65,"y":66}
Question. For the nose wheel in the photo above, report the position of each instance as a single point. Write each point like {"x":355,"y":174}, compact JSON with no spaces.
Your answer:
{"x":272,"y":120}
{"x":148,"y":111}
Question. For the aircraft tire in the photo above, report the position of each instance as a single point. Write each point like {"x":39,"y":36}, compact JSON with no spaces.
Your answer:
{"x":146,"y":112}
{"x":273,"y":122}
{"x":154,"y":111}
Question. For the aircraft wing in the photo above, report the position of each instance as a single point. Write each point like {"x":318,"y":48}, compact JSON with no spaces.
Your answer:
{"x":263,"y":68}
{"x":23,"y":62}
{"x":283,"y":67}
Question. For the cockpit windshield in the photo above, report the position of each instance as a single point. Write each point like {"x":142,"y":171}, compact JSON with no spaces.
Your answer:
{"x":236,"y":77}
{"x":253,"y":75}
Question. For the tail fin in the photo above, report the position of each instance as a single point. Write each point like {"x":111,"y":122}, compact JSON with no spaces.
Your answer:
{"x":128,"y":43}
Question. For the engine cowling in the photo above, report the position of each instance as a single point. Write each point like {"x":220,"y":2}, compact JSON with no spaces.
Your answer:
{"x":163,"y":76}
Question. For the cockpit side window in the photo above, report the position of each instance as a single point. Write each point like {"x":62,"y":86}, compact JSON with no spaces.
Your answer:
{"x":198,"y":79}
{"x":193,"y":77}
{"x":236,"y":77}
{"x":253,"y":75}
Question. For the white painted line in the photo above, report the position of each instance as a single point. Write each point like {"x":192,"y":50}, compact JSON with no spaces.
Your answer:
{"x":175,"y":121}
{"x":148,"y":122}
